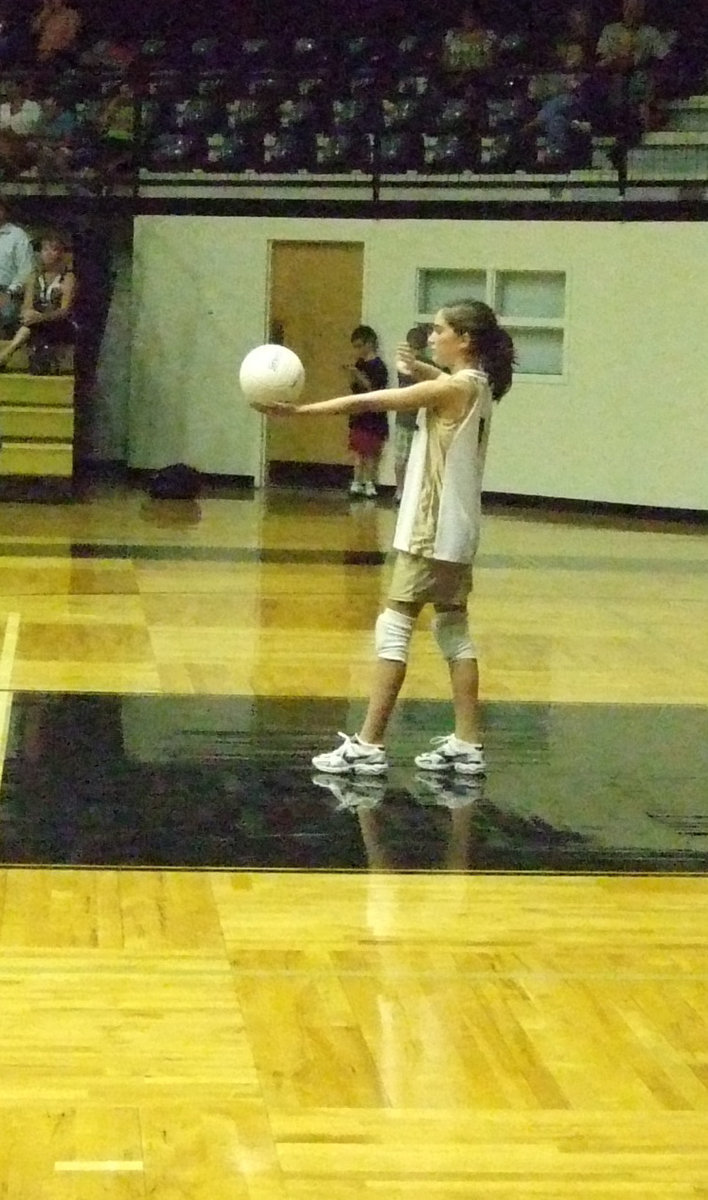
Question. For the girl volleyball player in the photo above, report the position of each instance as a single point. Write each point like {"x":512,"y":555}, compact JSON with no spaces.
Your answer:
{"x":437,"y":531}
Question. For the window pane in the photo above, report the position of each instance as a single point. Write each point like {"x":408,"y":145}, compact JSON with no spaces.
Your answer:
{"x":538,"y":351}
{"x":531,"y":294}
{"x":437,"y":288}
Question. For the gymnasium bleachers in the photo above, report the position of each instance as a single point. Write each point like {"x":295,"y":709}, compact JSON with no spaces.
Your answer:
{"x":37,"y":414}
{"x":347,"y":109}
{"x":330,"y":109}
{"x":37,"y":417}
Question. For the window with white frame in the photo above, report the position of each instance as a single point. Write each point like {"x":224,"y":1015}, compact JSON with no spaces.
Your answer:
{"x":530,"y":304}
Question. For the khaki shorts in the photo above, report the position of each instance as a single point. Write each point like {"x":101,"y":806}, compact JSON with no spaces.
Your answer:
{"x":418,"y":580}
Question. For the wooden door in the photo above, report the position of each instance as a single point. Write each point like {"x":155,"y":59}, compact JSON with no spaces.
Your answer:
{"x":315,"y":303}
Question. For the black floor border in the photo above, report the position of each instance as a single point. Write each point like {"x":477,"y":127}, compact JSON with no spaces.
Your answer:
{"x":639,"y":515}
{"x":235,"y":555}
{"x":44,"y":810}
{"x":364,"y":872}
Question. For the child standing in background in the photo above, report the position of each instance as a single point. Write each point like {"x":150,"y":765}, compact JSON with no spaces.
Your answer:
{"x":367,"y":430}
{"x":417,"y":340}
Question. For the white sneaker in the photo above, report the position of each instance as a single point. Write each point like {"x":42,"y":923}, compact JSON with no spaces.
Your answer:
{"x":352,"y":756}
{"x":450,"y":752}
{"x":356,"y":488}
{"x":370,"y":489}
{"x":352,"y":793}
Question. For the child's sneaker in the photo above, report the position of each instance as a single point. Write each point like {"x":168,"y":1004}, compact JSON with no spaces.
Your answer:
{"x":352,"y":793}
{"x":370,"y":489}
{"x":451,"y":753}
{"x":356,"y":488}
{"x":354,"y":756}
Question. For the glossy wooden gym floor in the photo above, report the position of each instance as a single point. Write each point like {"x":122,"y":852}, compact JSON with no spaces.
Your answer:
{"x":350,"y":1034}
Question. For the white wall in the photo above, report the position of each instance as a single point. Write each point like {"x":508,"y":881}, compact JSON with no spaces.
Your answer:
{"x":628,"y":422}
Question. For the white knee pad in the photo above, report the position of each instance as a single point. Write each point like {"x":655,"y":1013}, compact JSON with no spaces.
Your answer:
{"x":393,"y":635}
{"x":452,"y":634}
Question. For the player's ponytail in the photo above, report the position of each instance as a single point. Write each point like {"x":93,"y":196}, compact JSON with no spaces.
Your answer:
{"x":491,"y":343}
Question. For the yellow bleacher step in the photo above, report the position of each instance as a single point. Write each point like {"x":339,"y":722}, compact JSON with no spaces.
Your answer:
{"x":49,"y":421}
{"x":17,"y":389}
{"x":37,"y":458}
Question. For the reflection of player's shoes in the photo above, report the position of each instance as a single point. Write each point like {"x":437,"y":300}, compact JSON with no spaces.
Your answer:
{"x":450,"y":792}
{"x":352,"y":756}
{"x":451,"y":753}
{"x":352,"y":793}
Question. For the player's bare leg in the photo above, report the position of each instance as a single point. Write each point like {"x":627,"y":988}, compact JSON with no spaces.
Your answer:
{"x":464,"y":678}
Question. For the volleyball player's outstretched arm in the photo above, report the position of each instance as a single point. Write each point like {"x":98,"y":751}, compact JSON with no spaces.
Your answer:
{"x":444,"y":393}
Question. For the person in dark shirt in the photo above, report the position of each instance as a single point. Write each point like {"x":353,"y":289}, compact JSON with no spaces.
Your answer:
{"x":368,"y":431}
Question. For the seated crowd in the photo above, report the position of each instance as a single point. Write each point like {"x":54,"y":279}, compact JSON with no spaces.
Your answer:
{"x":583,"y":78}
{"x":474,"y":97}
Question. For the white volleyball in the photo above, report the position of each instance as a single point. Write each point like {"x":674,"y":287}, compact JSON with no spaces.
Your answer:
{"x":272,"y":375}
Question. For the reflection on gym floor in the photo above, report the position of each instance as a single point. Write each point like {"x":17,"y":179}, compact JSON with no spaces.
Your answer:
{"x":226,"y":782}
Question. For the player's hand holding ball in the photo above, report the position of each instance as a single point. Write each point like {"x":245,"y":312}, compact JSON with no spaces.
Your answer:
{"x":274,"y":408}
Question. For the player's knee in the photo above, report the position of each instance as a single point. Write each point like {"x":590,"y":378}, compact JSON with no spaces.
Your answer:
{"x":393,"y":635}
{"x":452,"y":634}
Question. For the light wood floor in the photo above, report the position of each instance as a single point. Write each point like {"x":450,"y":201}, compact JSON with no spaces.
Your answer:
{"x":561,"y":612}
{"x":187,"y":1036}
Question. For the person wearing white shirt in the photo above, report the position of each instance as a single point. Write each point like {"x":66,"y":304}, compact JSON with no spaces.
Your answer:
{"x":23,"y":120}
{"x":627,"y":54}
{"x":630,"y":43}
{"x":20,"y":116}
{"x":16,"y":266}
{"x":19,"y":113}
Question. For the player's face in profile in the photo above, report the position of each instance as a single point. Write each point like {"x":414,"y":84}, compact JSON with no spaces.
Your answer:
{"x":447,"y":346}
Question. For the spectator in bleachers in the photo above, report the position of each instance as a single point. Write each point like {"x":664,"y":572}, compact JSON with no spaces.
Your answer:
{"x":55,"y":139}
{"x":469,"y":55}
{"x":469,"y":48}
{"x":628,"y":52}
{"x":19,"y":112}
{"x":567,"y":94}
{"x":20,"y":117}
{"x":16,"y":267}
{"x":574,"y":48}
{"x":45,"y":316}
{"x":56,"y":30}
{"x":116,"y":126}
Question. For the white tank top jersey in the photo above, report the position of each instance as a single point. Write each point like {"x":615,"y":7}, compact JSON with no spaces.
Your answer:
{"x":440,"y":509}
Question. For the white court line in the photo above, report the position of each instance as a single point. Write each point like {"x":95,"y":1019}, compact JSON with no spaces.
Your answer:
{"x":9,"y":648}
{"x":7,"y":662}
{"x":108,"y":1164}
